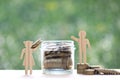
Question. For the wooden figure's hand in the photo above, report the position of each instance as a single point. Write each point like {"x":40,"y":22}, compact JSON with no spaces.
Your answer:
{"x":36,"y":44}
{"x":35,"y":48}
{"x":74,"y":38}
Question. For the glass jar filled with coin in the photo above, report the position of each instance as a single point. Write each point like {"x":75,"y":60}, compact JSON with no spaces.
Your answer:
{"x":57,"y":57}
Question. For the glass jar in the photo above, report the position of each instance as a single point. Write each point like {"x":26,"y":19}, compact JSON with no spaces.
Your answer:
{"x":57,"y":57}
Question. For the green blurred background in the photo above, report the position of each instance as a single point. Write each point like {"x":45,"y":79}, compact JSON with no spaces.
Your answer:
{"x":22,"y":20}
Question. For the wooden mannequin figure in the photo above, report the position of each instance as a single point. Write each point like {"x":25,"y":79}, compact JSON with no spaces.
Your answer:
{"x":28,"y":58}
{"x":82,"y":41}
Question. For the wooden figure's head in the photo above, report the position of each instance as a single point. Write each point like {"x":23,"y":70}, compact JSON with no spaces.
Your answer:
{"x":28,"y":44}
{"x":82,"y":34}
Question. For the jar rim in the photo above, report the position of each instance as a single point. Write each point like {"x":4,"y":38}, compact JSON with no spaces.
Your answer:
{"x":57,"y":41}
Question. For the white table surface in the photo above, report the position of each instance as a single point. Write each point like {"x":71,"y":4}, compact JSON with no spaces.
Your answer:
{"x":37,"y":75}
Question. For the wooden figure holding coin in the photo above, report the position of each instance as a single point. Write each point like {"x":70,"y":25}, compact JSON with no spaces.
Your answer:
{"x":27,"y":53}
{"x":82,"y":41}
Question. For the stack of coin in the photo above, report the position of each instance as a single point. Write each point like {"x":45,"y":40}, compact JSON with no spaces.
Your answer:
{"x":93,"y":70}
{"x":81,"y":68}
{"x":89,"y":72}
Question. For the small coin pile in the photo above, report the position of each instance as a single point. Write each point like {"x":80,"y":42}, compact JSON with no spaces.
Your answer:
{"x":58,"y":58}
{"x":93,"y":70}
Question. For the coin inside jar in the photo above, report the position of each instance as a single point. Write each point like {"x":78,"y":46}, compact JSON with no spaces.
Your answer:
{"x":61,"y":56}
{"x":57,"y":56}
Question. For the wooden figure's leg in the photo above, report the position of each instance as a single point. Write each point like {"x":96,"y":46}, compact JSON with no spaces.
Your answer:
{"x":30,"y":69}
{"x":30,"y":61}
{"x":26,"y":70}
{"x":80,"y":55}
{"x":26,"y":64}
{"x":85,"y":57}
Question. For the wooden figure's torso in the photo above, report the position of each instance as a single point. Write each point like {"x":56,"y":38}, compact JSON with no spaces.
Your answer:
{"x":82,"y":44}
{"x":28,"y":57}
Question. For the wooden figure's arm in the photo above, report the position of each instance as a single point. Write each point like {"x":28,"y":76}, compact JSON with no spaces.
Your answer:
{"x":23,"y":52}
{"x":36,"y":44}
{"x":74,"y":38}
{"x":35,"y":48}
{"x":88,"y":43}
